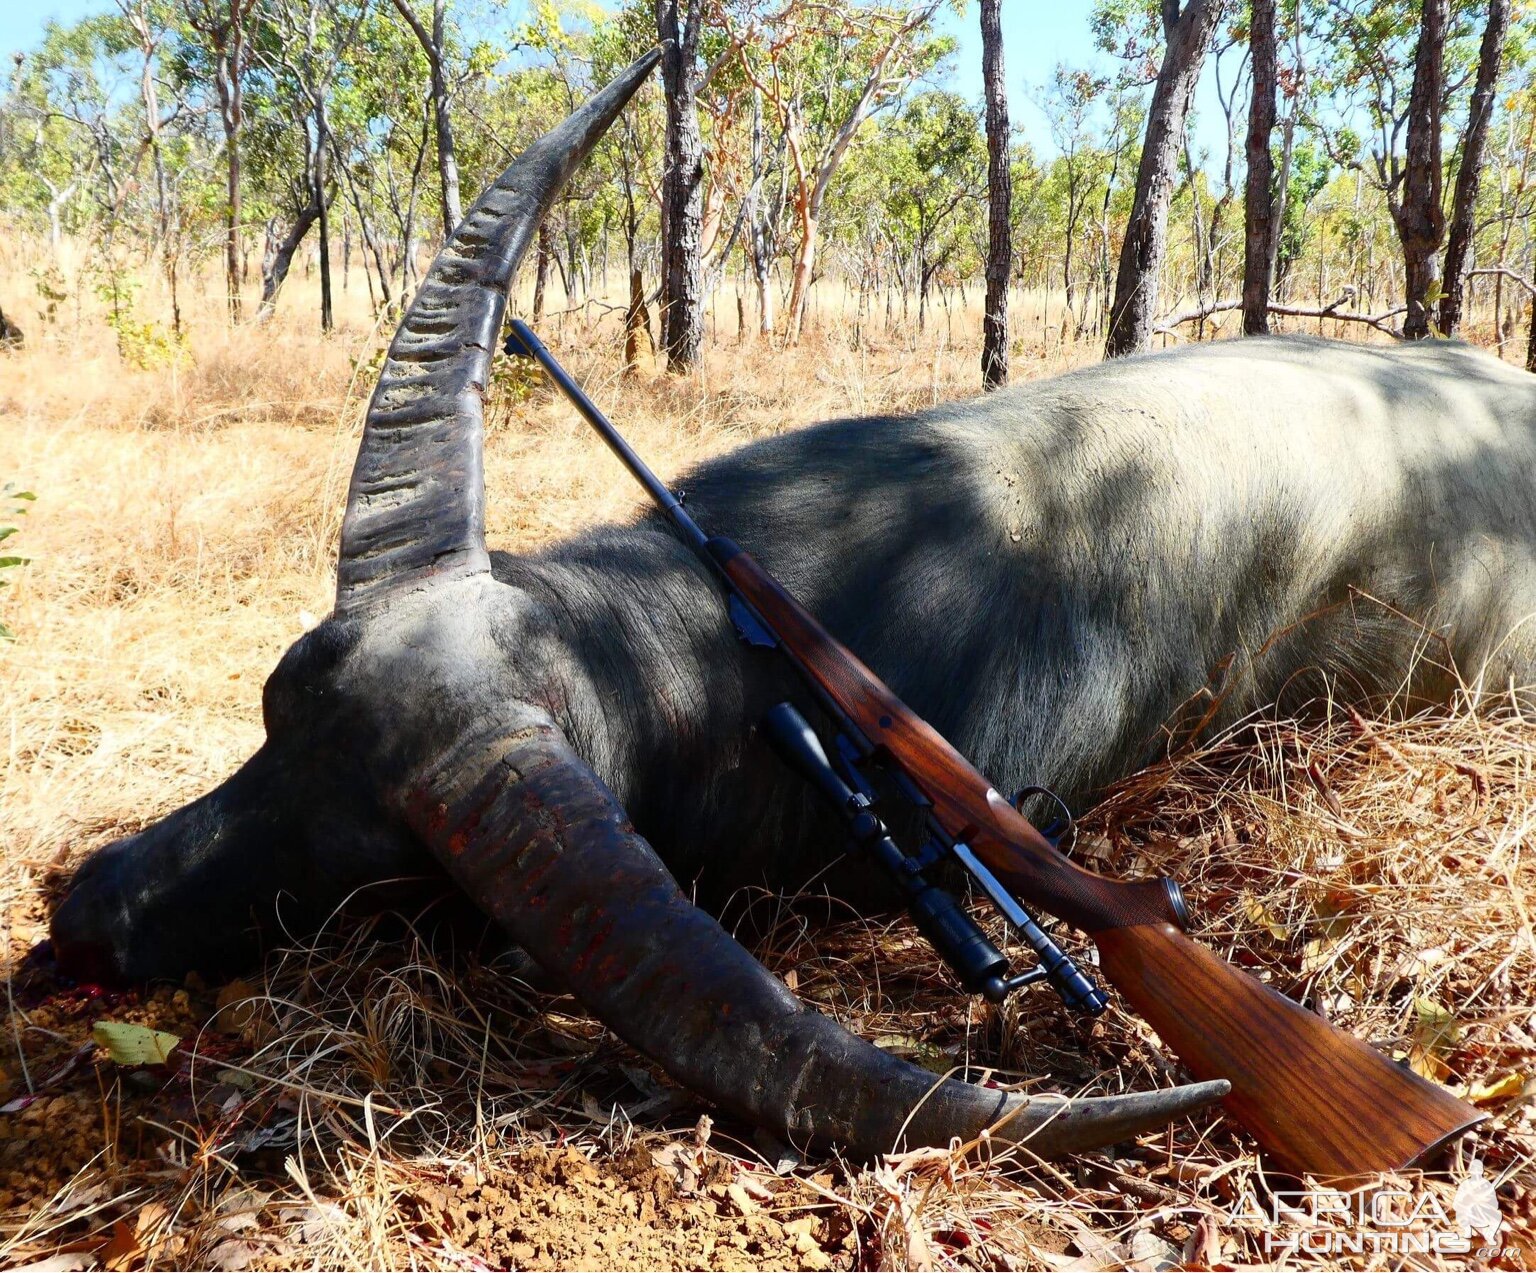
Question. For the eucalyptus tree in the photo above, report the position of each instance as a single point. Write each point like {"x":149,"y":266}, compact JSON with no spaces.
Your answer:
{"x":1187,"y":29}
{"x":1082,"y":169}
{"x":994,"y":339}
{"x":679,"y":26}
{"x":1470,"y":168}
{"x":222,"y":29}
{"x":51,"y":133}
{"x":313,"y":47}
{"x":822,"y":70}
{"x":1396,"y":67}
{"x":434,"y":43}
{"x":930,"y":162}
{"x":1258,"y":197}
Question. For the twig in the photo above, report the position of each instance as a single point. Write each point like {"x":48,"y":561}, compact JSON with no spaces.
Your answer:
{"x":1502,"y":271}
{"x":1378,"y":321}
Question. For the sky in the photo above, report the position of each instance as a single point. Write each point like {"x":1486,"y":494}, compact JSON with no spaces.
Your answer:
{"x":1035,"y":38}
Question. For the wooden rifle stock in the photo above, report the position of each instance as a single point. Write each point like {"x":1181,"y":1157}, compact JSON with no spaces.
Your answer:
{"x":1317,"y":1099}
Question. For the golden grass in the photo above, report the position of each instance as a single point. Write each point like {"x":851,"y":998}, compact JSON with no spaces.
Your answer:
{"x":183,"y":535}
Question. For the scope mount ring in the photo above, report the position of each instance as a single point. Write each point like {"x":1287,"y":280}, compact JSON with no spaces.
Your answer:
{"x":1068,"y":833}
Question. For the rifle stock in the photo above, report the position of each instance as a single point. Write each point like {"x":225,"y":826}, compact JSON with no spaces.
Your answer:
{"x":1316,"y":1098}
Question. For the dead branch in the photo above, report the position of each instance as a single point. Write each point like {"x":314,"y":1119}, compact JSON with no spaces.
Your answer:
{"x":1381,"y":322}
{"x":1504,"y":272}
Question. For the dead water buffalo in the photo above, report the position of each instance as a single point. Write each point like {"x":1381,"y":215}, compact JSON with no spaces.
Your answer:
{"x":1049,"y":575}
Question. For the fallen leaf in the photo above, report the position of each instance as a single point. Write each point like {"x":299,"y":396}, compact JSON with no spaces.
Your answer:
{"x":129,"y":1044}
{"x":1505,"y":1088}
{"x":233,"y":1255}
{"x":1435,"y":1033}
{"x":1148,"y":1251}
{"x":1261,"y":917}
{"x":1202,"y":1249}
{"x":123,"y":1248}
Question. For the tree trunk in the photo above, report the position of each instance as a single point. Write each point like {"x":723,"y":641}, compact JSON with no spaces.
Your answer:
{"x":682,"y":184}
{"x":757,"y":220}
{"x":229,"y":69}
{"x":1188,"y":34}
{"x":994,"y":323}
{"x":278,"y":259}
{"x":434,"y":44}
{"x":800,"y":273}
{"x":1530,"y":344}
{"x":1260,"y":228}
{"x":1418,"y":215}
{"x":1464,"y":200}
{"x":327,"y":311}
{"x":638,"y":345}
{"x":541,"y":271}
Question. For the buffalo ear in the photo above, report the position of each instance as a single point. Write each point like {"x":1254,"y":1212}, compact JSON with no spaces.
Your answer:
{"x":416,"y":506}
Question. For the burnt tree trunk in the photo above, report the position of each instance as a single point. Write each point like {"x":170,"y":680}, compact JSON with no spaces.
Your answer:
{"x":678,"y":24}
{"x":277,"y":261}
{"x":994,"y":340}
{"x":1417,"y":213}
{"x":1188,"y":33}
{"x":1258,"y":194}
{"x":1530,"y":343}
{"x":1464,"y":200}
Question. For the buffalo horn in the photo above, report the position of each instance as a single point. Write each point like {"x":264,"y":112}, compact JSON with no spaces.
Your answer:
{"x":525,"y":827}
{"x":416,"y":506}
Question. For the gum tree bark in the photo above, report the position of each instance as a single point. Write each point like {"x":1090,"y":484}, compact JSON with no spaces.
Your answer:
{"x":1188,"y":34}
{"x":278,"y":257}
{"x":434,"y":44}
{"x":678,"y":24}
{"x":1258,"y":195}
{"x":222,"y":25}
{"x":1417,"y":213}
{"x":994,"y":340}
{"x":1468,"y":175}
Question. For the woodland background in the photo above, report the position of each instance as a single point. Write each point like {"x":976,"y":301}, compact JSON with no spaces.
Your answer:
{"x":213,"y":212}
{"x":798,"y":161}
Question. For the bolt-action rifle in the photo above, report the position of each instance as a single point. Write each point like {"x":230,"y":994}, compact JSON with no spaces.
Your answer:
{"x":1318,"y":1099}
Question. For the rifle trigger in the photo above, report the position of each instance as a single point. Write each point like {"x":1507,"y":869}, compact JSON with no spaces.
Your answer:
{"x":749,"y":628}
{"x":1057,"y":830}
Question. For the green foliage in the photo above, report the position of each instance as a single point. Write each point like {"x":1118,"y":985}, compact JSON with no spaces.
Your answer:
{"x":13,"y":504}
{"x":141,"y":342}
{"x":52,"y":289}
{"x":1310,"y":170}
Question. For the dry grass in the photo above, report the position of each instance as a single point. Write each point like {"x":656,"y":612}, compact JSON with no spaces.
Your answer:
{"x":184,"y":535}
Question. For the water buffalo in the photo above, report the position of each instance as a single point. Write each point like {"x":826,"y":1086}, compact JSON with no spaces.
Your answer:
{"x":1050,"y":575}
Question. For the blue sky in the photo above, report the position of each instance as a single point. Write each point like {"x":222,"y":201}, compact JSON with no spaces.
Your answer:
{"x":1035,"y":36}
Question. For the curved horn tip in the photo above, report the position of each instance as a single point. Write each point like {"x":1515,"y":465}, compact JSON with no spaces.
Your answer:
{"x":415,"y":505}
{"x":1049,"y":1127}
